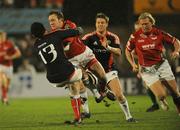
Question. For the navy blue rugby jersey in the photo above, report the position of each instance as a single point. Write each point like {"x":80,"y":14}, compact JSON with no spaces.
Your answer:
{"x":94,"y":42}
{"x":50,"y":51}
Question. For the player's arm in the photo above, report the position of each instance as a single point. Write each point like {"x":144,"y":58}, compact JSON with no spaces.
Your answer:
{"x":70,"y":32}
{"x":114,"y":48}
{"x":13,"y":56}
{"x":128,"y":52}
{"x":176,"y":43}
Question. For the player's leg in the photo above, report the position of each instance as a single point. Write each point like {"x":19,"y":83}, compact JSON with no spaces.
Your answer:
{"x":167,"y":74}
{"x":98,"y":70}
{"x":84,"y":102}
{"x":155,"y":105}
{"x":75,"y":100}
{"x":75,"y":87}
{"x":115,"y":86}
{"x":5,"y":87}
{"x":158,"y":89}
{"x":91,"y":82}
{"x":172,"y":86}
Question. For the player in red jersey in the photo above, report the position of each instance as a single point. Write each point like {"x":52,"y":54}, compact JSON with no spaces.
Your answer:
{"x":105,"y":45}
{"x":79,"y":55}
{"x":155,"y":105}
{"x":8,"y":52}
{"x":148,"y":44}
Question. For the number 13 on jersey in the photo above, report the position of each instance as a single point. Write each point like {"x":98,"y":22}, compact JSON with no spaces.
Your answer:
{"x":50,"y":49}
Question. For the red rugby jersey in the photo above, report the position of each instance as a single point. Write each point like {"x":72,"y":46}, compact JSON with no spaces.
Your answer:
{"x":148,"y":46}
{"x":6,"y":48}
{"x":76,"y":46}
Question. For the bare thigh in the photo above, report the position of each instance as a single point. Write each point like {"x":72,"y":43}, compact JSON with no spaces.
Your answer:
{"x":115,"y":86}
{"x":158,"y":89}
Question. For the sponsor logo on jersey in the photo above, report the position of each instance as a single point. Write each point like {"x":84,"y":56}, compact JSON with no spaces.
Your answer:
{"x":149,"y":46}
{"x":141,"y":40}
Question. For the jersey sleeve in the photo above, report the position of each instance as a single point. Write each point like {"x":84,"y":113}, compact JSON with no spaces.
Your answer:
{"x":167,"y":38}
{"x":11,"y":48}
{"x":69,"y":25}
{"x":116,"y":41}
{"x":131,"y":43}
{"x":67,"y":33}
{"x":86,"y":39}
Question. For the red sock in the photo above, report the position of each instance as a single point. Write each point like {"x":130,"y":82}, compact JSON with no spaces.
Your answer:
{"x":76,"y":103}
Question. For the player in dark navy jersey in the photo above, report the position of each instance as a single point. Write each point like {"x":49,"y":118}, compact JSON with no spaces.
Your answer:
{"x":60,"y":71}
{"x":105,"y":45}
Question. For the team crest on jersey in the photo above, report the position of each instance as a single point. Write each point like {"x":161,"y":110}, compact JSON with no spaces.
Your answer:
{"x":143,"y":36}
{"x":95,"y":43}
{"x":154,"y":38}
{"x":66,"y":26}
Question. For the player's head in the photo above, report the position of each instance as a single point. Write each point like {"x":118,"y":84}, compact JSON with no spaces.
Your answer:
{"x":3,"y":36}
{"x":101,"y":22}
{"x":37,"y":30}
{"x":146,"y":21}
{"x":56,"y":20}
{"x":137,"y":26}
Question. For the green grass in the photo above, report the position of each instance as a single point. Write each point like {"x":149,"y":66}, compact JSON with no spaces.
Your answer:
{"x":50,"y":113}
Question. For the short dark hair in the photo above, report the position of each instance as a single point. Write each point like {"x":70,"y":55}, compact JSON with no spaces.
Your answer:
{"x":37,"y":29}
{"x":102,"y":15}
{"x":57,"y":13}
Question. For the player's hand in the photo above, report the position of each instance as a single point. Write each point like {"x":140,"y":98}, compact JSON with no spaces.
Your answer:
{"x":174,"y":55}
{"x":135,"y":68}
{"x":80,"y":29}
{"x":6,"y":57}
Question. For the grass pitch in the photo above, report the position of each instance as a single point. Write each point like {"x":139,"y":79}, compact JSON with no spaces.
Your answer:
{"x":50,"y":114}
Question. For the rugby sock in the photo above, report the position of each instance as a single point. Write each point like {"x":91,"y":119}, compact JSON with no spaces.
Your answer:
{"x":96,"y":93}
{"x":125,"y":107}
{"x":152,"y":96}
{"x":92,"y":87}
{"x":85,"y":105}
{"x":76,"y":103}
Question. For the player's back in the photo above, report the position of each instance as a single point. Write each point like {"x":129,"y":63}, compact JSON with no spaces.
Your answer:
{"x":50,"y":51}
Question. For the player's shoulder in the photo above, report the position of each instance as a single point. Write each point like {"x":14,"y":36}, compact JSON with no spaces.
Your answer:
{"x":89,"y":35}
{"x":112,"y":35}
{"x":9,"y":43}
{"x":69,"y":24}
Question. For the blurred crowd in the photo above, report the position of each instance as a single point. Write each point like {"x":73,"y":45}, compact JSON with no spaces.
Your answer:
{"x":25,"y":44}
{"x":31,"y":3}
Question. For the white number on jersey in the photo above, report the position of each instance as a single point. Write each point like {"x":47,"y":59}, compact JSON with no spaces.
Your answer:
{"x":51,"y":51}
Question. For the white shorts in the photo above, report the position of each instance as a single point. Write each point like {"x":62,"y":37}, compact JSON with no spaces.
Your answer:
{"x":86,"y":59}
{"x":75,"y":77}
{"x":151,"y":75}
{"x":111,"y":75}
{"x":8,"y":70}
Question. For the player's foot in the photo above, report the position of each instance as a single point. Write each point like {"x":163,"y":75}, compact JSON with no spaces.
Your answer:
{"x":98,"y":100}
{"x":106,"y":103}
{"x":132,"y":120}
{"x":5,"y":102}
{"x":164,"y":105}
{"x":153,"y":108}
{"x":110,"y":95}
{"x":85,"y":115}
{"x":74,"y":122}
